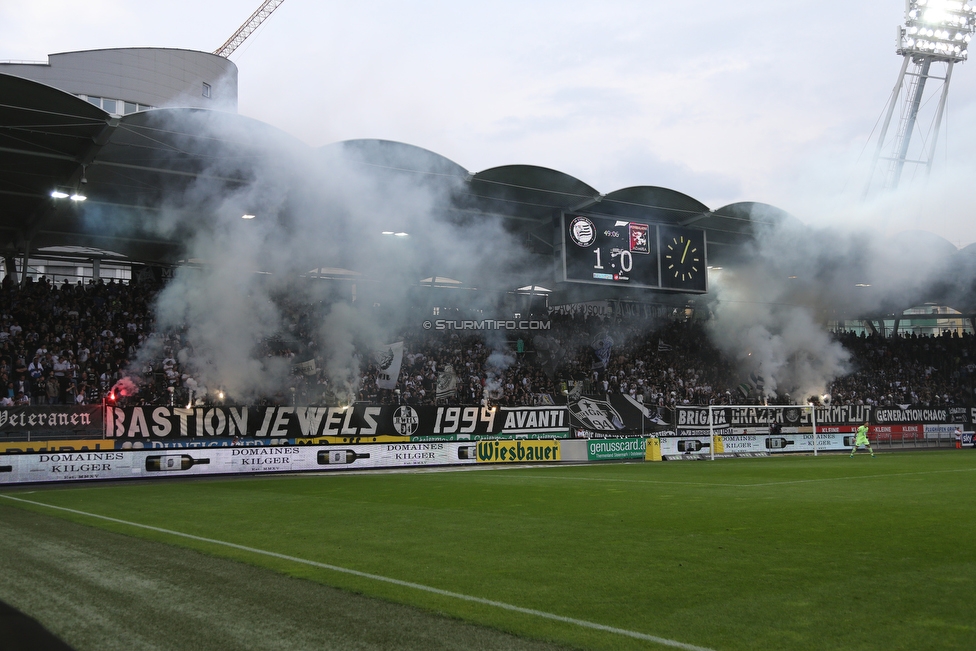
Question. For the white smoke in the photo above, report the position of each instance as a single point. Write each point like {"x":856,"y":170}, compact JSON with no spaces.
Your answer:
{"x":315,"y":213}
{"x":495,"y":366}
{"x":772,"y":308}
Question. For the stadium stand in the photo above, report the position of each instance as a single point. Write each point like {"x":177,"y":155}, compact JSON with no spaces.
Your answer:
{"x":71,"y":343}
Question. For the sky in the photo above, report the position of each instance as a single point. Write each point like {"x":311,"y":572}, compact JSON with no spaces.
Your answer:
{"x":762,"y":100}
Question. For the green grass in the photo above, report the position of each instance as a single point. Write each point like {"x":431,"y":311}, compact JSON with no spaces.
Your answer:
{"x":779,"y":553}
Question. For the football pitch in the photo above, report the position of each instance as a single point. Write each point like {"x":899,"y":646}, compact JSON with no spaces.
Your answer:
{"x":784,"y":553}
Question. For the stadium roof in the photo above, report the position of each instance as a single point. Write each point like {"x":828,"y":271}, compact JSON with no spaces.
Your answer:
{"x":133,"y":167}
{"x":127,"y":167}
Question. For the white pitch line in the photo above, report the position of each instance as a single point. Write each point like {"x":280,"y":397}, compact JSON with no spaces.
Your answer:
{"x":890,"y":474}
{"x":376,"y":577}
{"x":769,"y":483}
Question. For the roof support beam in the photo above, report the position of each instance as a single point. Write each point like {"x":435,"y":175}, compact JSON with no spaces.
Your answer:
{"x":99,"y":140}
{"x":589,"y":202}
{"x":141,"y":168}
{"x":697,"y":218}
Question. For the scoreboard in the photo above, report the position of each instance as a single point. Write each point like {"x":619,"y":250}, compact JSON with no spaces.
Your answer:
{"x":608,"y":251}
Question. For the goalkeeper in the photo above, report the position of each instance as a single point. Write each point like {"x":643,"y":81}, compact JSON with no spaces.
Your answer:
{"x":861,"y":440}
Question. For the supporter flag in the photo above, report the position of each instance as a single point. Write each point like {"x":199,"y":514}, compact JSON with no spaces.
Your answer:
{"x":595,"y":415}
{"x":745,"y":389}
{"x":306,"y":367}
{"x":629,"y":402}
{"x":575,"y":389}
{"x":663,"y":347}
{"x":388,"y":361}
{"x":753,"y":385}
{"x":757,"y":381}
{"x":602,"y":346}
{"x":621,"y":415}
{"x":446,"y":383}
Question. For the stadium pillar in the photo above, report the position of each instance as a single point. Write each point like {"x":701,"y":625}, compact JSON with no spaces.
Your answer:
{"x":711,"y":432}
{"x":813,"y":420}
{"x":23,"y":264}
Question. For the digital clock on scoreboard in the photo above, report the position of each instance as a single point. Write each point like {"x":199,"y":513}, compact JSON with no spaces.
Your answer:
{"x":609,"y":251}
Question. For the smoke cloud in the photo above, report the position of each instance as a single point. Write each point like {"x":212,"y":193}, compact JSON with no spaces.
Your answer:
{"x":771,"y":308}
{"x":248,"y":301}
{"x":248,"y":286}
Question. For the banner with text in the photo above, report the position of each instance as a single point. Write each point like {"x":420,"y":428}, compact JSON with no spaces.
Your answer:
{"x":52,"y":466}
{"x":728,"y":441}
{"x":360,"y":423}
{"x":55,"y":420}
{"x":798,"y":416}
{"x":612,"y":449}
{"x":124,"y":464}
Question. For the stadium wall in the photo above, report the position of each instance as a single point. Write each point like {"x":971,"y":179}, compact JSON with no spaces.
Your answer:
{"x":86,"y":443}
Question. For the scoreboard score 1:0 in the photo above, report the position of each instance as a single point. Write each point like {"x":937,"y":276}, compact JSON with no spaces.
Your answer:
{"x":608,"y":251}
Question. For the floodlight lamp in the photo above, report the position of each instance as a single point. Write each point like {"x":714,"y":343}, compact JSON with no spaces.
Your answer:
{"x":247,"y":216}
{"x":78,"y":197}
{"x":387,"y":232}
{"x":401,"y":234}
{"x":57,"y":194}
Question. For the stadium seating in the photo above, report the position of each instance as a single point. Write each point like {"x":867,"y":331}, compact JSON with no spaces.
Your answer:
{"x":71,"y":343}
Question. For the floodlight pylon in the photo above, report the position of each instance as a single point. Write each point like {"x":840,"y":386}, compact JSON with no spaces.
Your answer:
{"x":935,"y":36}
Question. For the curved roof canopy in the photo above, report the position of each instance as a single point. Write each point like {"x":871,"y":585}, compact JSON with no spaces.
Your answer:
{"x":150,"y":177}
{"x":525,"y":193}
{"x":138,"y":169}
{"x":388,"y":156}
{"x":129,"y":168}
{"x":645,"y":202}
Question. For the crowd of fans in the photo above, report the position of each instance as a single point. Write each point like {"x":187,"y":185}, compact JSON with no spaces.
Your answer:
{"x":926,"y":371}
{"x":73,"y":343}
{"x":665,"y":365}
{"x":68,"y":344}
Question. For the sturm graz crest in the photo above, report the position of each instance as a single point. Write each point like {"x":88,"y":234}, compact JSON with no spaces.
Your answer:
{"x":791,"y":415}
{"x":582,"y":231}
{"x":597,"y":415}
{"x":406,"y":421}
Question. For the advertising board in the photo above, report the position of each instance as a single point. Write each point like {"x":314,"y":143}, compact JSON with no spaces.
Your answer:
{"x":613,"y":449}
{"x":129,"y":464}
